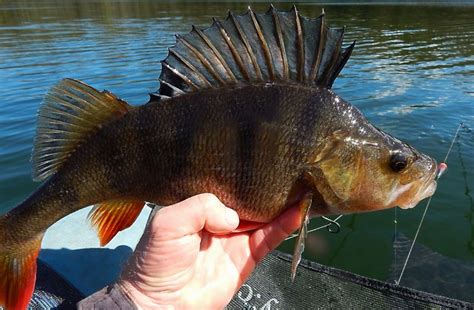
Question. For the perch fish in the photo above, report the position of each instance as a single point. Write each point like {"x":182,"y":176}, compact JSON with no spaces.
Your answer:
{"x":244,"y":110}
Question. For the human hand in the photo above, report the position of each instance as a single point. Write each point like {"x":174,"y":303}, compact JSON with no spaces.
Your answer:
{"x":189,"y":258}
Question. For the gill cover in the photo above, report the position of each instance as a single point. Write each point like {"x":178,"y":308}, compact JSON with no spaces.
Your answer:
{"x":340,"y":169}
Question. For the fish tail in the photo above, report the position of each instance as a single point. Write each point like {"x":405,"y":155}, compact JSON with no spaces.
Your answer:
{"x":71,"y":112}
{"x":17,"y":269}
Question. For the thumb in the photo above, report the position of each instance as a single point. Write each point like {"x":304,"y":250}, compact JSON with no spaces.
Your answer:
{"x":204,"y":211}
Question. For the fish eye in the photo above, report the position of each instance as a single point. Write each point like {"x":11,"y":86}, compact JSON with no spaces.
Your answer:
{"x":398,"y":162}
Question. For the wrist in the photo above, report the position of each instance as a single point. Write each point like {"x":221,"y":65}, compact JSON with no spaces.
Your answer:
{"x":140,"y":300}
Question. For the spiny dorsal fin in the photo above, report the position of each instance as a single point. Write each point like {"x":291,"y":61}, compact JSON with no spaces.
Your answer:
{"x":71,"y":111}
{"x":271,"y":47}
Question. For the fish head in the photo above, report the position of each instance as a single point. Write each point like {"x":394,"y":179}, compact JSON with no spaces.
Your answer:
{"x":410,"y":177}
{"x":373,"y":171}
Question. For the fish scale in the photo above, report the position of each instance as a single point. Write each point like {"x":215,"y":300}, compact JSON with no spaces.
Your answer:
{"x":244,"y":150}
{"x":244,"y":111}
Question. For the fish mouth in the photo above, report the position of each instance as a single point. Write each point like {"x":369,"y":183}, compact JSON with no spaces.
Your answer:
{"x":427,"y":189}
{"x":425,"y":192}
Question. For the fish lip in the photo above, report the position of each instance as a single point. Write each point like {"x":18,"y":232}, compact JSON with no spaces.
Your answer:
{"x":427,"y":189}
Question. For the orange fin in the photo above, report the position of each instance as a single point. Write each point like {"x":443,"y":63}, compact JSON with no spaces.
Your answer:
{"x":112,"y":216}
{"x":247,"y":226}
{"x":18,"y":274}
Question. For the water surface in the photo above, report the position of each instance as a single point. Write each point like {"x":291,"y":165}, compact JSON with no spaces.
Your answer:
{"x":411,"y":73}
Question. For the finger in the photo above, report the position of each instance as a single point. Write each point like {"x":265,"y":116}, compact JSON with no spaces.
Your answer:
{"x":266,"y":239}
{"x":204,"y":211}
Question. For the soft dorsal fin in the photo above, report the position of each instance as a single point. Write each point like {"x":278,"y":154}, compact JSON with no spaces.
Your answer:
{"x":71,"y":111}
{"x":271,"y":47}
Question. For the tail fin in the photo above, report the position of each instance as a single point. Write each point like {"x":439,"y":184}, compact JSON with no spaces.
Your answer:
{"x":17,"y":272}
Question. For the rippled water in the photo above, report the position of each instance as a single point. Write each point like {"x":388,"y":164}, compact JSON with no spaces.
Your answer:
{"x":412,"y":74}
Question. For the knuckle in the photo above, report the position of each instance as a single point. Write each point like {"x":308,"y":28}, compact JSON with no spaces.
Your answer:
{"x":208,"y":200}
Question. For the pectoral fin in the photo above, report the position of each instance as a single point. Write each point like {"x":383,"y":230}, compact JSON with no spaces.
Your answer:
{"x":305,"y":206}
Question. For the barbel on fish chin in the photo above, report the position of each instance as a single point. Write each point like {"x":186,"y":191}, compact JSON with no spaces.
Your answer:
{"x":244,"y":111}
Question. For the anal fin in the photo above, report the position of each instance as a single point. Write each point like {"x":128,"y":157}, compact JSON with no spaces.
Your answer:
{"x":113,"y":216}
{"x":305,"y":206}
{"x":18,"y":274}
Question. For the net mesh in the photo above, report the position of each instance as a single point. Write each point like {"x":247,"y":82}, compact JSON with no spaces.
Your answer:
{"x":52,"y":291}
{"x":430,"y":271}
{"x":318,"y":286}
{"x":270,"y":287}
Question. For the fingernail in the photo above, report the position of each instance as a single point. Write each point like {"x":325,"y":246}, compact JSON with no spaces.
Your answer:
{"x":231,"y":217}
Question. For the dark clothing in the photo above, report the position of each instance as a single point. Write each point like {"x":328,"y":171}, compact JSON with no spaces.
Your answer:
{"x":110,"y":297}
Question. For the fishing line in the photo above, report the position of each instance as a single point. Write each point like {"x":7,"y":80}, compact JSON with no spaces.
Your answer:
{"x":395,"y":222}
{"x":452,"y":142}
{"x":397,"y":282}
{"x":331,"y":223}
